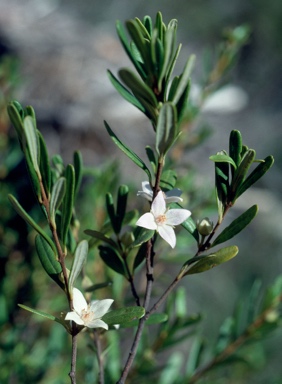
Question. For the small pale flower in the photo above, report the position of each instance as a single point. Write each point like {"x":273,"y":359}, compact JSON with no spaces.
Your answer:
{"x":172,"y":196}
{"x":163,"y":220}
{"x":90,"y":314}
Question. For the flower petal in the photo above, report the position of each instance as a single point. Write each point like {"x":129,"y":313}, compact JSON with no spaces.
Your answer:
{"x":74,"y":317}
{"x":176,"y":192}
{"x":158,"y":205}
{"x":177,"y":216}
{"x":147,"y":221}
{"x":146,"y":192}
{"x":97,"y":323}
{"x":100,"y":307}
{"x":167,"y":233}
{"x":79,"y":302}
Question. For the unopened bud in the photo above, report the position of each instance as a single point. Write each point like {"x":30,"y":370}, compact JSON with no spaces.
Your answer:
{"x":204,"y":226}
{"x":127,"y":238}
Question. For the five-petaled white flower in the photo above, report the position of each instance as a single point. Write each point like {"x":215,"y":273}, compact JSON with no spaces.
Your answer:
{"x":172,"y":196}
{"x":88,"y":315}
{"x":162,"y":219}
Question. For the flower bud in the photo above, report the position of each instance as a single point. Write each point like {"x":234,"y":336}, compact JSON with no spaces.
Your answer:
{"x":127,"y":238}
{"x":204,"y":226}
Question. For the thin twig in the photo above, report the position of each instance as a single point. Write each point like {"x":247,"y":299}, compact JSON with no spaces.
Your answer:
{"x":72,"y":373}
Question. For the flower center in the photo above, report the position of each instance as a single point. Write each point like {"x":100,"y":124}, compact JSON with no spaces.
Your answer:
{"x":160,"y":220}
{"x":87,"y":315}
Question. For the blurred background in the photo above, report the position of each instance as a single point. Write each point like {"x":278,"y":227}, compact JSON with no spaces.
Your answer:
{"x":54,"y":55}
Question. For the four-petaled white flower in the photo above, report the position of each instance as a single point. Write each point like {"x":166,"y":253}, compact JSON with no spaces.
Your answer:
{"x":88,"y":315}
{"x":162,"y":219}
{"x":172,"y":196}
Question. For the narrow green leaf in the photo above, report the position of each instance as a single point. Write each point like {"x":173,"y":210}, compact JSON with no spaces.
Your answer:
{"x":100,"y":236}
{"x":221,"y":158}
{"x":49,"y":260}
{"x":123,"y":315}
{"x":182,"y":105}
{"x":78,"y":171}
{"x":121,"y":205}
{"x":140,"y":256}
{"x":15,"y":112}
{"x":124,"y":41}
{"x":184,"y":79}
{"x":151,"y":157}
{"x":33,"y":176}
{"x":68,"y":202}
{"x":203,"y":263}
{"x":169,"y":42}
{"x":166,"y":129}
{"x":112,"y":259}
{"x":129,"y":153}
{"x":124,"y":92}
{"x":94,"y":287}
{"x":79,"y":260}
{"x":171,"y":68}
{"x":159,"y":25}
{"x":236,"y":226}
{"x":138,"y":87}
{"x":20,"y":210}
{"x":45,"y":315}
{"x":155,"y":318}
{"x":32,"y":142}
{"x":235,"y":148}
{"x":242,"y":170}
{"x":147,"y":21}
{"x":137,"y":31}
{"x":111,"y":212}
{"x":44,"y":164}
{"x":255,"y":175}
{"x":142,"y":235}
{"x":57,"y":195}
{"x":221,"y":184}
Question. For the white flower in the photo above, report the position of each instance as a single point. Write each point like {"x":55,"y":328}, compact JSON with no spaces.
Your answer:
{"x":163,"y":220}
{"x":88,"y":315}
{"x":170,"y":196}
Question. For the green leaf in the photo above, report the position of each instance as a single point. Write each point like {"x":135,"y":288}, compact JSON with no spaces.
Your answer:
{"x":242,"y":170}
{"x":170,"y":70}
{"x":140,"y":37}
{"x":100,"y":236}
{"x":123,"y":38}
{"x":78,"y":171}
{"x":235,"y":148}
{"x":45,"y":315}
{"x":15,"y":112}
{"x":142,"y":235}
{"x":195,"y":355}
{"x":125,"y":93}
{"x":221,"y":158}
{"x":49,"y":260}
{"x":168,"y":52}
{"x":94,"y":287}
{"x":140,"y":256}
{"x":79,"y":260}
{"x":44,"y":165}
{"x":203,"y":263}
{"x":68,"y":202}
{"x":166,"y":130}
{"x":129,"y":153}
{"x":32,"y":142}
{"x":155,"y":318}
{"x":112,"y":259}
{"x":33,"y":177}
{"x":57,"y":195}
{"x":111,"y":212}
{"x":121,"y":205}
{"x":236,"y":226}
{"x":123,"y":315}
{"x":138,"y":87}
{"x":20,"y":210}
{"x":152,"y":158}
{"x":221,"y":185}
{"x":184,"y":79}
{"x":254,"y":176}
{"x":147,"y":21}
